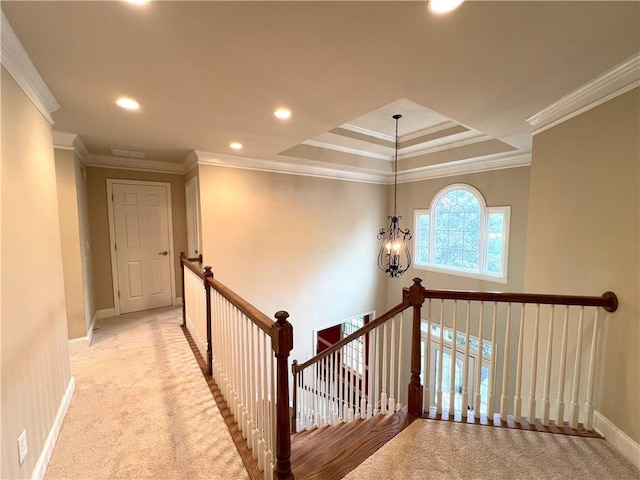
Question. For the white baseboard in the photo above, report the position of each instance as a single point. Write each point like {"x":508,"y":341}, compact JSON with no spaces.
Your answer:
{"x":616,"y":437}
{"x":178,"y":301}
{"x":91,"y":327}
{"x":76,"y":344}
{"x":105,"y":313}
{"x":43,"y":460}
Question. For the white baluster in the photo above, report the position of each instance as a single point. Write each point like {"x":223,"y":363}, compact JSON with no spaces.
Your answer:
{"x":426,"y":376}
{"x":476,"y":388}
{"x":517,"y":399}
{"x":376,"y":377}
{"x":385,"y":354}
{"x":534,"y":368}
{"x":400,"y":362}
{"x":454,"y":350}
{"x":492,"y":366}
{"x":465,"y":364}
{"x":441,"y":359}
{"x":575,"y":406}
{"x":392,"y":367}
{"x":547,"y":371}
{"x":505,"y":367}
{"x":588,"y":407}
{"x":371,"y":369}
{"x":563,"y":367}
{"x":336,"y":389}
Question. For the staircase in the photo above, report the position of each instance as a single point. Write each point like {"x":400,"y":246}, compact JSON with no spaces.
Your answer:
{"x":332,"y":451}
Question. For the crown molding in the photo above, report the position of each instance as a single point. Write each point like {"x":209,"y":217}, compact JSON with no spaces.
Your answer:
{"x":108,"y":161}
{"x":465,"y":167}
{"x":17,"y":62}
{"x":612,"y":83}
{"x":190,"y":162}
{"x":245,"y":163}
{"x":64,"y":140}
{"x":71,"y":141}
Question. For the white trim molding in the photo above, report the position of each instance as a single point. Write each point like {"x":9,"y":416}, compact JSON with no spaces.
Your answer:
{"x":622,"y":442}
{"x":104,"y":313}
{"x":17,"y":62}
{"x":47,"y":450}
{"x":246,"y":163}
{"x":612,"y":83}
{"x":128,"y":163}
{"x":467,"y":166}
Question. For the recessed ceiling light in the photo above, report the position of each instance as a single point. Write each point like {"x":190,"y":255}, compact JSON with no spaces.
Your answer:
{"x":137,"y":2}
{"x":282,"y":113}
{"x":236,"y":145}
{"x":128,"y":103}
{"x":444,"y":6}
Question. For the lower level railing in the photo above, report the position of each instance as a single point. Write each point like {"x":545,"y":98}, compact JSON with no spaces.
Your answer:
{"x":499,"y":356}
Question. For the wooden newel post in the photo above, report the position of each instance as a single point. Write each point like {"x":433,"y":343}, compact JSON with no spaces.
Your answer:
{"x":207,"y":290}
{"x":416,"y":297}
{"x":184,"y":309}
{"x":282,"y":343}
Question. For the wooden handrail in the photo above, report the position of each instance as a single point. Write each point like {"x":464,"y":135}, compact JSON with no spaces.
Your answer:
{"x":252,"y":313}
{"x":608,"y":300}
{"x":358,"y":333}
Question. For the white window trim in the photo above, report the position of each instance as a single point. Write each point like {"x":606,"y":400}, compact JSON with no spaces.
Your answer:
{"x":506,"y":210}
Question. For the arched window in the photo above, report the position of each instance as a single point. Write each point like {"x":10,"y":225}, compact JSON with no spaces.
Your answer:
{"x":459,"y":234}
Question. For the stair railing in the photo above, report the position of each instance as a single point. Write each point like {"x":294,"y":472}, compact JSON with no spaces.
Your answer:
{"x":247,"y":355}
{"x":363,"y":374}
{"x":532,"y":350}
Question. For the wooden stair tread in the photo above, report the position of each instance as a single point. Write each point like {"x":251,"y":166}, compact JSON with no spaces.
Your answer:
{"x":333,"y":451}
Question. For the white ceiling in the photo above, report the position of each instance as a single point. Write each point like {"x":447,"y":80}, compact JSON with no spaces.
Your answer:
{"x":210,"y":73}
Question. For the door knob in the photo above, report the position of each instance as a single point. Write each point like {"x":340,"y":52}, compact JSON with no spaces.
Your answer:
{"x":163,"y":253}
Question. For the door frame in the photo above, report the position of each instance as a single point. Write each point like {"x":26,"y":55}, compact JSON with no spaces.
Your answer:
{"x":112,"y":236}
{"x":196,"y":206}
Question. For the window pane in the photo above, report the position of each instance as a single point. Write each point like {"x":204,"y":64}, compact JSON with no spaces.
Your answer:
{"x":494,"y":264}
{"x":423,"y":239}
{"x":495,"y":243}
{"x":496,"y":222}
{"x":457,"y":231}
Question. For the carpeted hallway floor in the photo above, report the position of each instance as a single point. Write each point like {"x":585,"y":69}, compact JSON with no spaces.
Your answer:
{"x":142,"y":410}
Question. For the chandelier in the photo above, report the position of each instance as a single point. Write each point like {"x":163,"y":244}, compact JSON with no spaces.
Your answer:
{"x":394,"y":258}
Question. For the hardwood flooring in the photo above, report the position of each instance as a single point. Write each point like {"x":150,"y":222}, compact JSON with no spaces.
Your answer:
{"x":330,"y":452}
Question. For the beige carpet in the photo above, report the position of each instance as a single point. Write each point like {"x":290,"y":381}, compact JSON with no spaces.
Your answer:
{"x":142,"y":408}
{"x":432,"y":449}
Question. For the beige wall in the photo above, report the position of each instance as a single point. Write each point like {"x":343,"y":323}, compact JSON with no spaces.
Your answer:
{"x":70,"y":237}
{"x":99,"y":225}
{"x":583,"y":236}
{"x":301,"y":244}
{"x":509,"y":187}
{"x":35,"y":362}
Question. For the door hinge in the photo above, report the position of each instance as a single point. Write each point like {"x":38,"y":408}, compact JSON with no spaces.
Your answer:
{"x":118,"y":293}
{"x":112,"y":199}
{"x":115,"y":246}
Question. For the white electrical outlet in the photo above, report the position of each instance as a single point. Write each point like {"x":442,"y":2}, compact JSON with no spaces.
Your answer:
{"x":22,"y":446}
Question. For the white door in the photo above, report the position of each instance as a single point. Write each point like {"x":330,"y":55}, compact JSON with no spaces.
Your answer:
{"x":142,"y":246}
{"x":193,"y":218}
